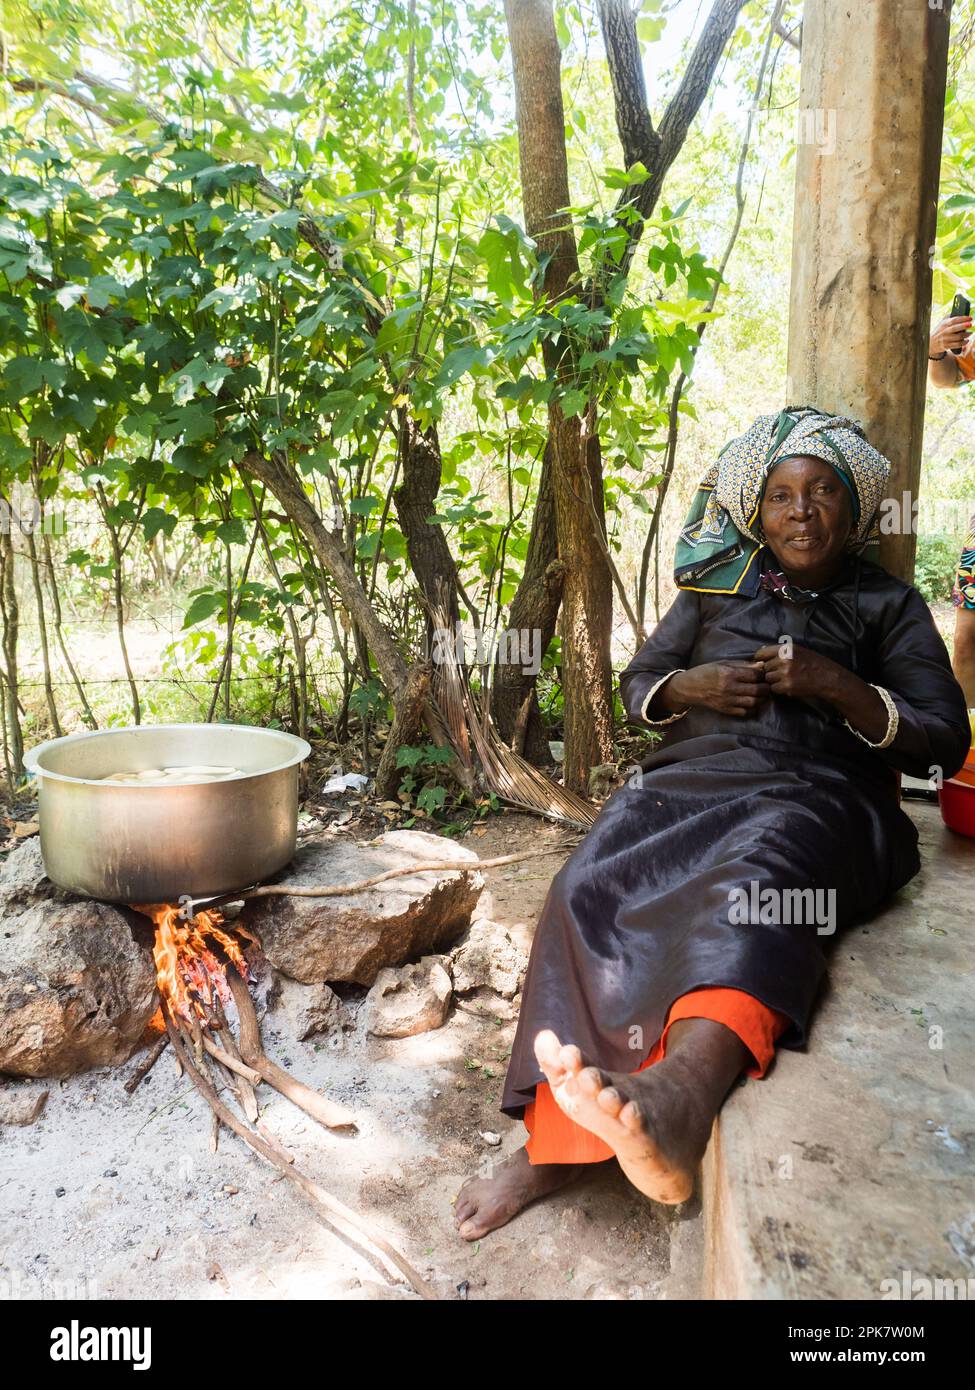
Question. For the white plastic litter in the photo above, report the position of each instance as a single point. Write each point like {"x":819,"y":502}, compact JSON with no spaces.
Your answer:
{"x":345,"y":782}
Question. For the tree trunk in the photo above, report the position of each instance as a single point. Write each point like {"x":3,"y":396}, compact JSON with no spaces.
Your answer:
{"x":539,"y":108}
{"x":415,"y":499}
{"x":286,"y":485}
{"x":35,"y":572}
{"x":587,"y":586}
{"x":407,"y":723}
{"x":11,"y":627}
{"x":866,"y":209}
{"x":657,"y":149}
{"x":587,"y":603}
{"x":535,"y":608}
{"x":58,"y":620}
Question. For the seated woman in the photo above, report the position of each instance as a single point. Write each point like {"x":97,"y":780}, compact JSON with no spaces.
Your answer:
{"x":684,"y":936}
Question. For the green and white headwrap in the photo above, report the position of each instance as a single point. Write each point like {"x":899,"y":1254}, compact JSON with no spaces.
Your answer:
{"x":721,"y":535}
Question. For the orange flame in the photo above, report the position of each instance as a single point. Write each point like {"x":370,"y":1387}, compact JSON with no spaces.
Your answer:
{"x":190,"y":976}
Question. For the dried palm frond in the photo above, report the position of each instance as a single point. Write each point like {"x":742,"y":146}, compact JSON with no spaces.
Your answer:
{"x":510,"y":776}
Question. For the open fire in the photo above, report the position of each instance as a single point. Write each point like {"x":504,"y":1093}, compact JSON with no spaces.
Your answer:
{"x":194,"y":985}
{"x":192,"y":979}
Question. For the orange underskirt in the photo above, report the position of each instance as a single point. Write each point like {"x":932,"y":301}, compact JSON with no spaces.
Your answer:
{"x":554,"y":1138}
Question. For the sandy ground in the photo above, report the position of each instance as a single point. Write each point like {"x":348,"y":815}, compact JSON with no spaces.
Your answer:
{"x":110,"y":1196}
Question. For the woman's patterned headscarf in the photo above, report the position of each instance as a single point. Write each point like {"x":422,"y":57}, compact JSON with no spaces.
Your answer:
{"x":722,"y":536}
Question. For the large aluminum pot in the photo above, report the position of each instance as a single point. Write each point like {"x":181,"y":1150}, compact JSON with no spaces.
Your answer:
{"x":127,"y":843}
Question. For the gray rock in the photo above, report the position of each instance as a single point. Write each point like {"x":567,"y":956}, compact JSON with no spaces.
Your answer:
{"x":412,"y":999}
{"x":23,"y":880}
{"x":76,"y":988}
{"x":487,"y":958}
{"x":354,"y":936}
{"x":21,"y":1106}
{"x":307,"y":1010}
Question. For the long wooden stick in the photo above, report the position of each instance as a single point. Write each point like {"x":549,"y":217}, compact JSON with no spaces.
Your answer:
{"x":245,"y":1089}
{"x":336,"y":890}
{"x":312,"y":1190}
{"x":326,"y":1112}
{"x":230,"y":1062}
{"x":147,"y":1063}
{"x":273,"y":1140}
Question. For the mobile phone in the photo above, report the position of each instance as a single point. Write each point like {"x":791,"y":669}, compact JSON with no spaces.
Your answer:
{"x":960,"y":307}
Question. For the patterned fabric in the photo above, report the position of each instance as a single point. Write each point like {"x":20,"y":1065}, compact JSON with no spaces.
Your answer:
{"x":773,"y":581}
{"x":722,"y":535}
{"x":963,"y":593}
{"x":965,"y":362}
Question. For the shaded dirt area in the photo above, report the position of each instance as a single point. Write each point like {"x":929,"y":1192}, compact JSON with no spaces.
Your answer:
{"x":112,"y":1196}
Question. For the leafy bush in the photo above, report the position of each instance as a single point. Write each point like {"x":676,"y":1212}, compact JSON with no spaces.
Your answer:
{"x":934,"y":569}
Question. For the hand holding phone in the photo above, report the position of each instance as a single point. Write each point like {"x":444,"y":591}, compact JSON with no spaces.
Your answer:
{"x":960,"y":308}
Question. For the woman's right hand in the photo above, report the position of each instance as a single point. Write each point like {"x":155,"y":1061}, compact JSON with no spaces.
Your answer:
{"x":729,"y":687}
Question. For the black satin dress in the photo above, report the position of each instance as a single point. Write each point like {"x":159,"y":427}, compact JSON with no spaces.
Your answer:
{"x":788,"y":798}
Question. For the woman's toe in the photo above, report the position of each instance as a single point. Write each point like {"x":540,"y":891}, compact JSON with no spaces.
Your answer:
{"x":589,"y":1081}
{"x":548,"y":1050}
{"x":567,"y":1095}
{"x":631,"y":1117}
{"x":610,"y":1100}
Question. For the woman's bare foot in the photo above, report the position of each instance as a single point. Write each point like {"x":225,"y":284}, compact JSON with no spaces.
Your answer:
{"x":656,"y":1121}
{"x":484,"y":1204}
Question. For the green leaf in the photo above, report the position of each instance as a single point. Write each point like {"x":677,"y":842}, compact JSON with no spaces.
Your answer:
{"x":186,"y":459}
{"x":430,"y":799}
{"x":204,"y":606}
{"x":458,"y":363}
{"x":573,"y":402}
{"x":232,"y":532}
{"x":409,"y":757}
{"x":155,"y":520}
{"x":329,"y":313}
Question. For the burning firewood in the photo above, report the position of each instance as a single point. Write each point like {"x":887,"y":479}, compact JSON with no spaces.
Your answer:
{"x":244,"y":1087}
{"x":326,"y":1112}
{"x":274,"y":1153}
{"x":194,"y":984}
{"x":227,"y":1060}
{"x":147,"y":1063}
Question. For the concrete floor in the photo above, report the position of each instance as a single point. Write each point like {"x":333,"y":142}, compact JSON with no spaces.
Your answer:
{"x":848,"y":1172}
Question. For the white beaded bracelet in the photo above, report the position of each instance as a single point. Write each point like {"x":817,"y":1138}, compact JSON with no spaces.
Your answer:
{"x":646,"y":704}
{"x":893,"y":720}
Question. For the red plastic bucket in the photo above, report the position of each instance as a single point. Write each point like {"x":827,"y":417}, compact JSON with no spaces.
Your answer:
{"x":957,"y":799}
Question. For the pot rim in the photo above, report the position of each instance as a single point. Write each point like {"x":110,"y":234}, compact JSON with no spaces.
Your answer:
{"x":32,"y":763}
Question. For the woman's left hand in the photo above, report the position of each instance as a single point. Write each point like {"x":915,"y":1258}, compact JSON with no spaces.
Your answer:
{"x":799,"y":672}
{"x":805,"y":675}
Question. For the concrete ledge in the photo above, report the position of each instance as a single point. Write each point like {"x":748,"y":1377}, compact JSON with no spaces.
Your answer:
{"x":849,"y":1170}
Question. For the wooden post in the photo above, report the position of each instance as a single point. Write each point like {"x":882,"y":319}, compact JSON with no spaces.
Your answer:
{"x":870,"y":123}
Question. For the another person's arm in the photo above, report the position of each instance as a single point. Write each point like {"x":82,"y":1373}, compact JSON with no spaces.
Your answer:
{"x":948,"y":337}
{"x":963,"y":663}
